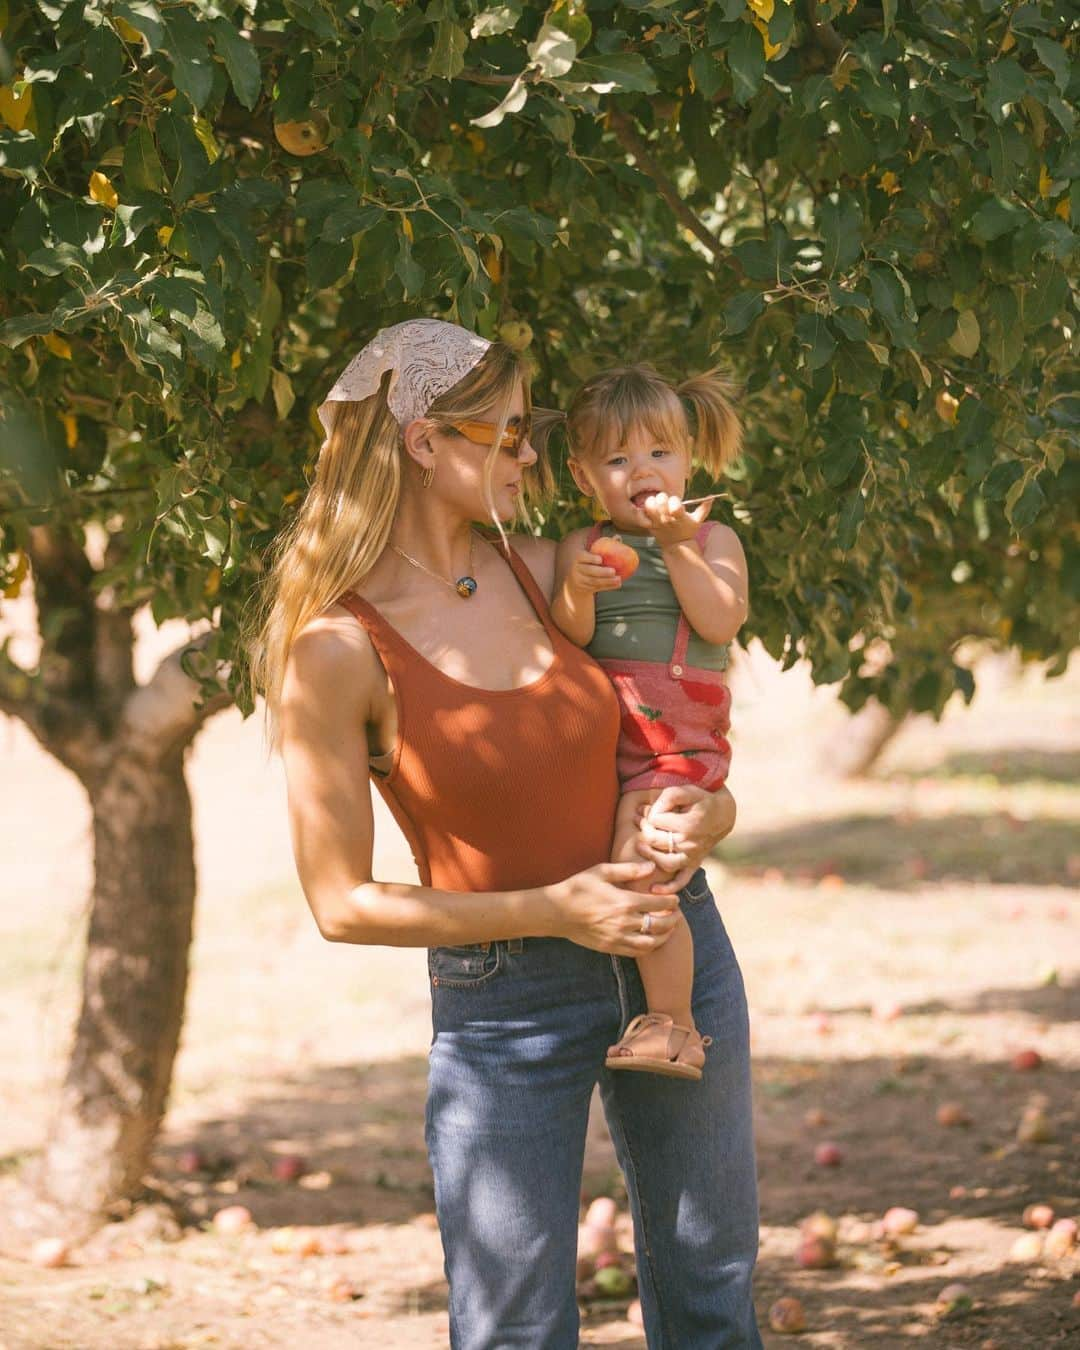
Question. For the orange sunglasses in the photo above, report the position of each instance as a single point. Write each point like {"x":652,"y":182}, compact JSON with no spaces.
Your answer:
{"x":482,"y":432}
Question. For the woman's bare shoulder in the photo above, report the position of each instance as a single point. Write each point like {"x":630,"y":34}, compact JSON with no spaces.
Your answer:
{"x":332,"y":655}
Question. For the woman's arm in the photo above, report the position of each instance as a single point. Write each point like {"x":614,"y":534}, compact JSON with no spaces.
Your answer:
{"x":331,"y":681}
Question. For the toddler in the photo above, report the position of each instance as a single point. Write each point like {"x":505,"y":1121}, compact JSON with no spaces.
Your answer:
{"x":661,"y":633}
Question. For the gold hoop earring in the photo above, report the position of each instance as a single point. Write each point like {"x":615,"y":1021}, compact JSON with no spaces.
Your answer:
{"x":427,"y":475}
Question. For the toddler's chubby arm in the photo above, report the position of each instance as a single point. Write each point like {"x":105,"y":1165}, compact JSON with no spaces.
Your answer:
{"x":579,"y":574}
{"x":711,"y":584}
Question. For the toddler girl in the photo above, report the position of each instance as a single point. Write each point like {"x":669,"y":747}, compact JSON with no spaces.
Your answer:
{"x":661,"y":633}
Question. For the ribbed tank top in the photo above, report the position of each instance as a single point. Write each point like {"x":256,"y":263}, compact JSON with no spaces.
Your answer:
{"x":499,"y":789}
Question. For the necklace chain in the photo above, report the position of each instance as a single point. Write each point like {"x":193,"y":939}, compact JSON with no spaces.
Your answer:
{"x":465,"y":586}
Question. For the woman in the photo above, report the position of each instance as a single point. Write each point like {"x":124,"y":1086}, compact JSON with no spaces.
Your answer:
{"x":399,"y":643}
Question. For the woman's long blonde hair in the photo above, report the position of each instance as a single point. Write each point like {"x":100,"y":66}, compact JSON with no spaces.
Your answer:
{"x":344,"y":522}
{"x":698,"y":415}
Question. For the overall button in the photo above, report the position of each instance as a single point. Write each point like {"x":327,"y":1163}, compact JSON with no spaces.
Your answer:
{"x":676,"y":670}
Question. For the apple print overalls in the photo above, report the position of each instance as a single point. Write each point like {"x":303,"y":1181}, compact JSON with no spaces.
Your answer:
{"x":675,"y":716}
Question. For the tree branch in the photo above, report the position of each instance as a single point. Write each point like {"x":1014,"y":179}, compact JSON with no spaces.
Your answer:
{"x":162,"y":716}
{"x":632,"y":143}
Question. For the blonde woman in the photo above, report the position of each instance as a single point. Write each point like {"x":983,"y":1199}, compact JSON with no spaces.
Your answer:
{"x":399,"y":643}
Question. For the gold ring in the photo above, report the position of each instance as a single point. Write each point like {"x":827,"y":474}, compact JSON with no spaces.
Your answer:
{"x":671,"y":841}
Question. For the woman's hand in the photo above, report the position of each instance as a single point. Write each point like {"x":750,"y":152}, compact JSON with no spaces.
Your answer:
{"x":681,"y":829}
{"x":591,"y":909}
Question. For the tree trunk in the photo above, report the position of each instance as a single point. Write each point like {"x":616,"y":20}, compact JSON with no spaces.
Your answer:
{"x":134,"y":984}
{"x":853,"y":751}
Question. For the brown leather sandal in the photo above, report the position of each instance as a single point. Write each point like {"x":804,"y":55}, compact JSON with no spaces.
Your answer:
{"x":653,"y":1043}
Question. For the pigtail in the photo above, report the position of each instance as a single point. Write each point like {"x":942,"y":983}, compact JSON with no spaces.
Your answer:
{"x":718,"y":431}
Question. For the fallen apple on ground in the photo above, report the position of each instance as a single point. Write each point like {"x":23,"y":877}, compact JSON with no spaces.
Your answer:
{"x":951,"y":1114}
{"x":954,"y":1301}
{"x":787,"y":1316}
{"x":1026,"y":1060}
{"x":50,"y":1252}
{"x":1038,"y":1216}
{"x":288,"y":1167}
{"x":898,"y":1221}
{"x":233,"y":1219}
{"x":828,"y":1155}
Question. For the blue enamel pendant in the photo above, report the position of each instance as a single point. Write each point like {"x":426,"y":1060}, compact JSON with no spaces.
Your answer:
{"x":466,"y":587}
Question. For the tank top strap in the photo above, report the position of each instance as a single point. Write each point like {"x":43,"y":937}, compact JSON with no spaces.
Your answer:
{"x":387,"y":641}
{"x":594,"y":534}
{"x":527,"y":582}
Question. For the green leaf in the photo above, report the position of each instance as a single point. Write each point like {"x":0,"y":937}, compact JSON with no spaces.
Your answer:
{"x":1023,"y":502}
{"x":741,"y":311}
{"x":17,"y":330}
{"x":1055,"y":58}
{"x":409,"y":271}
{"x":500,"y":19}
{"x":1006,"y":83}
{"x":840,"y":223}
{"x":146,"y":17}
{"x":707,"y":71}
{"x":850,"y":519}
{"x":888,"y":15}
{"x":746,"y":61}
{"x":284,"y":396}
{"x":965,"y":340}
{"x":142,"y":167}
{"x":553,"y":51}
{"x":241,"y":61}
{"x":448,"y":54}
{"x":995,"y":218}
{"x":890,"y":303}
{"x":1006,"y":338}
{"x":514,"y":101}
{"x":1044,"y":296}
{"x":818,"y":343}
{"x":186,"y":48}
{"x":620,"y":70}
{"x":839,"y":460}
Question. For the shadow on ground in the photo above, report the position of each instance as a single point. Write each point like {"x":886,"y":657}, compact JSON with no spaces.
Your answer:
{"x":364,"y":1126}
{"x":899,"y":853}
{"x":1004,"y":767}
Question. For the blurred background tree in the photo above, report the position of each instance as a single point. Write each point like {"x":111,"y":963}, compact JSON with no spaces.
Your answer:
{"x":863,"y":210}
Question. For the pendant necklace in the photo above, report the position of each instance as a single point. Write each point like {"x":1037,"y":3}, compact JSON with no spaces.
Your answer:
{"x":465,"y":586}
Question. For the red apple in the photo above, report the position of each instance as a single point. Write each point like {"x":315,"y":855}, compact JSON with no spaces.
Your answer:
{"x":1038,"y":1216}
{"x":816,"y":1253}
{"x":288,"y":1167}
{"x":49,"y":1252}
{"x":787,"y":1316}
{"x":190,"y":1161}
{"x":818,"y":1225}
{"x":899,"y":1221}
{"x":1027,"y":1247}
{"x":954,"y":1300}
{"x":614,"y":553}
{"x":828,"y":1155}
{"x":233,"y":1219}
{"x":1026,"y":1060}
{"x":951,"y":1114}
{"x":1061,"y":1239}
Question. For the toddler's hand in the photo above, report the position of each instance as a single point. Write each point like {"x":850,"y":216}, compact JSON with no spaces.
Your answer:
{"x":589,"y":573}
{"x":669,"y":520}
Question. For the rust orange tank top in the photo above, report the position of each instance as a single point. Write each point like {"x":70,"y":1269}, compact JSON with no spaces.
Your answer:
{"x":499,"y":789}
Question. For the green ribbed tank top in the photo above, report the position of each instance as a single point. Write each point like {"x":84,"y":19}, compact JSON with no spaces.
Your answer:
{"x":638,"y":622}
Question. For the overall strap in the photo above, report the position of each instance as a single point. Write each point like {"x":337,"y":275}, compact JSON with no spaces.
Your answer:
{"x":677,"y":665}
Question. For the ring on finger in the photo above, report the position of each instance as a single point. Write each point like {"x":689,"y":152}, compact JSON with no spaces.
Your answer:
{"x":646,"y":923}
{"x":671,"y":841}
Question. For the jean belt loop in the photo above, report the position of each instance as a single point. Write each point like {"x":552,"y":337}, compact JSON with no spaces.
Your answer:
{"x":513,"y":946}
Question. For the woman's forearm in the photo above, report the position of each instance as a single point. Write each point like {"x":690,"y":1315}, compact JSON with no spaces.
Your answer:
{"x":394,"y":914}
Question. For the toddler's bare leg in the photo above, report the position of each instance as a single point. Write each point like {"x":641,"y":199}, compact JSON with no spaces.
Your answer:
{"x":667,"y":973}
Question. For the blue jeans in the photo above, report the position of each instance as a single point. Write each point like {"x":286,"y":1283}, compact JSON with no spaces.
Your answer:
{"x":520,"y":1031}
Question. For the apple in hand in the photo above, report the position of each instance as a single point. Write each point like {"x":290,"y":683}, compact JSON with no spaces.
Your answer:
{"x":615,"y":554}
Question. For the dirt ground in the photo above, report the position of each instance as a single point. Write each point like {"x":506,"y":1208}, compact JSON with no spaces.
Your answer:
{"x":901,"y":938}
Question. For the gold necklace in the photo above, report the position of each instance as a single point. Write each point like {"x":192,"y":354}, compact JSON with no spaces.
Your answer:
{"x":465,"y":586}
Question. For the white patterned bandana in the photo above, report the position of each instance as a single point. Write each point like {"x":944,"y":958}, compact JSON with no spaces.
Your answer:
{"x":427,"y":357}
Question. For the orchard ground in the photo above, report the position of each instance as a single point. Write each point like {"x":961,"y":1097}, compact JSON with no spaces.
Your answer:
{"x":901,"y":938}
